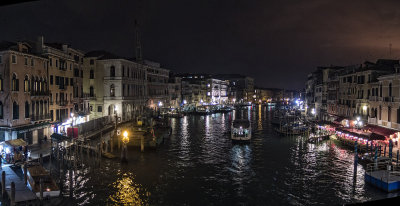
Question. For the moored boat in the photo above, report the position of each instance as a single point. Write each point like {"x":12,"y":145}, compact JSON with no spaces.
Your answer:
{"x":35,"y":172}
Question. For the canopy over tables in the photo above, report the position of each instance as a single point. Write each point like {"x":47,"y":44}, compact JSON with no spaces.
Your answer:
{"x":16,"y":143}
{"x":361,"y":134}
{"x":380,"y":130}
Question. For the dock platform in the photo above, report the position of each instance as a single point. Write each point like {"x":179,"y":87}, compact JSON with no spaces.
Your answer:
{"x":383,"y":175}
{"x":22,"y":192}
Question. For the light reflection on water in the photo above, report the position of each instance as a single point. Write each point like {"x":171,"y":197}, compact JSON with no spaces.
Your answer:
{"x":199,"y":165}
{"x":127,"y":192}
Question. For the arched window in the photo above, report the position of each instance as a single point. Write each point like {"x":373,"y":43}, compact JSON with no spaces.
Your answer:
{"x":15,"y":83}
{"x":91,"y":92}
{"x":26,"y":109}
{"x":112,"y":71}
{"x":390,"y":89}
{"x":1,"y":110}
{"x":112,"y":90}
{"x":15,"y":111}
{"x":26,"y":84}
{"x":91,"y":74}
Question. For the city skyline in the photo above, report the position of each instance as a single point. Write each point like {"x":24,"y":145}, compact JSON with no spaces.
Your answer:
{"x":248,"y":38}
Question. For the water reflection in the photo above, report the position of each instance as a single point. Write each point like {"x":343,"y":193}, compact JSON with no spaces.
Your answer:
{"x":128,"y":192}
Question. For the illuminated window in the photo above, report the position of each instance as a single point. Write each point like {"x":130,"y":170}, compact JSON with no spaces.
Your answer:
{"x":26,"y":84}
{"x":112,"y":90}
{"x":15,"y":83}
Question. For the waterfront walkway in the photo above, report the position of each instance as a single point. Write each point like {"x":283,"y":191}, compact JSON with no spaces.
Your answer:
{"x":22,"y":192}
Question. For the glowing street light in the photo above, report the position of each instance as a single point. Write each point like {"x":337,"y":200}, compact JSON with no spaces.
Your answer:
{"x":125,"y":138}
{"x":160,"y":104}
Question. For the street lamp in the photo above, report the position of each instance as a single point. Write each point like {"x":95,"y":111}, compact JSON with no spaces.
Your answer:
{"x":125,"y":140}
{"x":72,"y":124}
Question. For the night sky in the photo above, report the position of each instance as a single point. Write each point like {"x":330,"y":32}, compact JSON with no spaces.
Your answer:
{"x":276,"y":42}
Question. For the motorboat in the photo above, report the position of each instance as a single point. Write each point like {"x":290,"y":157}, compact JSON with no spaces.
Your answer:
{"x":241,"y":130}
{"x":35,"y":172}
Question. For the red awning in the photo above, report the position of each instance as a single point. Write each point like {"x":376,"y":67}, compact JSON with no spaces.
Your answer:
{"x":380,"y":130}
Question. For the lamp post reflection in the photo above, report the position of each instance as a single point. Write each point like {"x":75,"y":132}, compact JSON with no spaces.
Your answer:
{"x":125,"y":140}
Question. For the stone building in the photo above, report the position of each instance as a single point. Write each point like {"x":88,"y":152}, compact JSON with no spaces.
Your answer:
{"x":174,"y":92}
{"x":115,"y":86}
{"x":24,"y":89}
{"x":157,"y":85}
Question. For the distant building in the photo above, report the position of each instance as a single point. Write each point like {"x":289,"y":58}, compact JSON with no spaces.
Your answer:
{"x":157,"y":85}
{"x":241,"y":88}
{"x":174,"y":92}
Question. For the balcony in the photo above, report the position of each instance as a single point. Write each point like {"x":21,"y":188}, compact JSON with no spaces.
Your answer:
{"x":62,"y":103}
{"x":39,"y":93}
{"x":388,"y":99}
{"x":40,"y":117}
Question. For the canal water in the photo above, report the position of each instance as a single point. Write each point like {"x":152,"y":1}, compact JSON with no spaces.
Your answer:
{"x":199,"y":165}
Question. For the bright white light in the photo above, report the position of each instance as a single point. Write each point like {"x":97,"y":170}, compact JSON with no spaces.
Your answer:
{"x":72,"y":114}
{"x":184,"y":101}
{"x":201,"y":100}
{"x":365,"y":107}
{"x":160,"y":104}
{"x":208,"y":85}
{"x":360,"y":123}
{"x":358,"y":118}
{"x":313,"y":111}
{"x":234,"y":100}
{"x":7,"y":150}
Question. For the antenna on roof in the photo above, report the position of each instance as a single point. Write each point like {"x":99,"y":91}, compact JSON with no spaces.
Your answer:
{"x":138,"y":44}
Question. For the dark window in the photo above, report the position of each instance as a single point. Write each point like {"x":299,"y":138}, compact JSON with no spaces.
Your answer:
{"x":1,"y":110}
{"x":91,"y":92}
{"x":57,"y":80}
{"x":112,"y":71}
{"x":81,"y":73}
{"x":14,"y":59}
{"x":91,"y":74}
{"x":26,"y":110}
{"x":99,"y":109}
{"x":71,"y":81}
{"x":51,"y":79}
{"x":76,"y":72}
{"x":15,"y":111}
{"x":390,"y":89}
{"x":91,"y":62}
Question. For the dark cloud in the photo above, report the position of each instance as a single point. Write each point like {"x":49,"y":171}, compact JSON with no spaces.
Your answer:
{"x":277,"y":42}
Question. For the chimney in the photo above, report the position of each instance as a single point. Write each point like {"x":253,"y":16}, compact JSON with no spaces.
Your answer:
{"x":39,"y":44}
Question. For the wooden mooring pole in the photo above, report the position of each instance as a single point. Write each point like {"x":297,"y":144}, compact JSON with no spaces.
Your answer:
{"x":3,"y":184}
{"x":12,"y":198}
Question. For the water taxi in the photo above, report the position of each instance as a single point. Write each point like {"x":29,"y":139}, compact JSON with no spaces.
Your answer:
{"x":241,"y":130}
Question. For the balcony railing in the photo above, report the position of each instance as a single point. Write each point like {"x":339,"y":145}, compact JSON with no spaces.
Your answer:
{"x":388,"y":99}
{"x":40,"y":117}
{"x":39,"y":93}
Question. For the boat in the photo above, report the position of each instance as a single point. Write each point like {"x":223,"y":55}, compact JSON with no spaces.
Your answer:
{"x":224,"y":109}
{"x":203,"y":110}
{"x":35,"y":172}
{"x":241,"y":130}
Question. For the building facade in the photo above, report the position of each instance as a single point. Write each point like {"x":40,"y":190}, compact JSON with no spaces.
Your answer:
{"x":24,"y":99}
